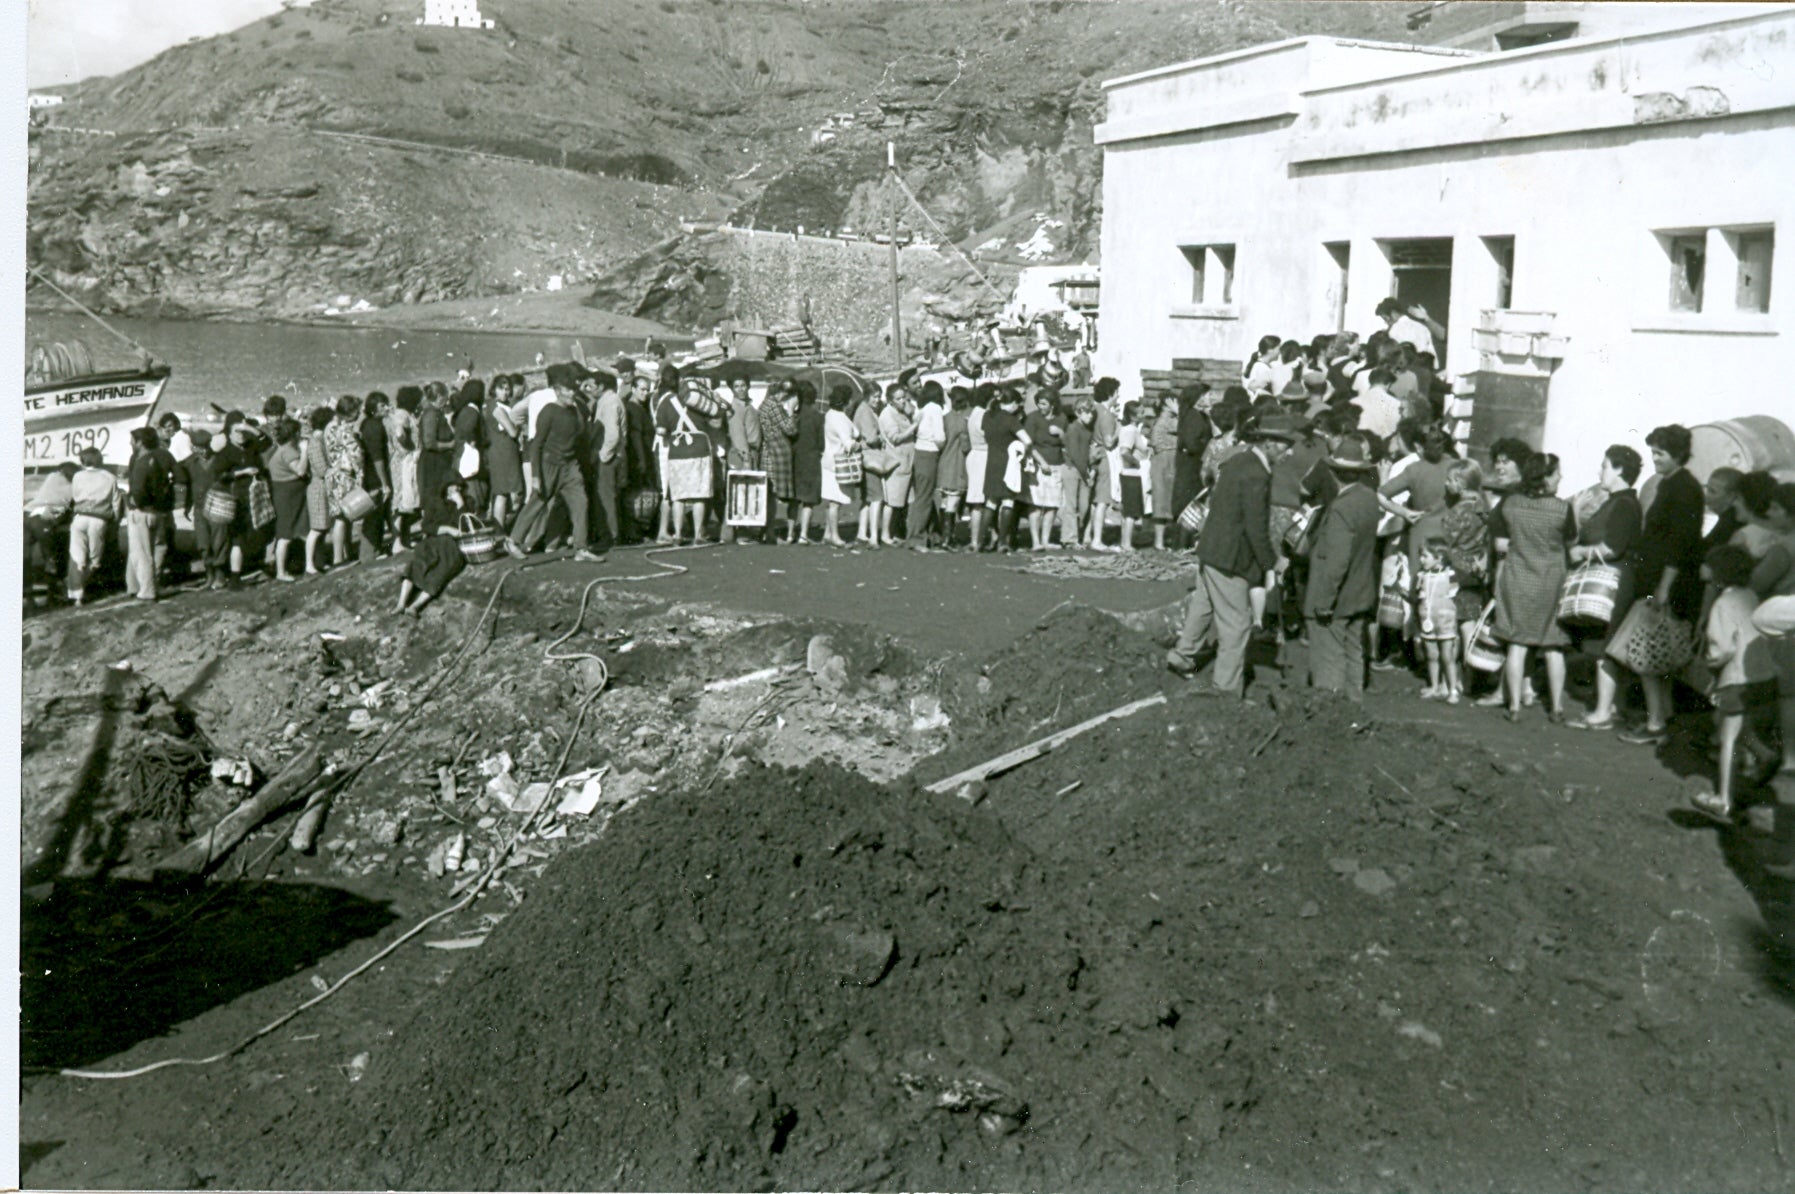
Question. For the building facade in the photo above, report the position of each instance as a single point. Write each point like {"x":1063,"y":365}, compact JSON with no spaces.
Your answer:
{"x":1593,"y":220}
{"x":457,"y":14}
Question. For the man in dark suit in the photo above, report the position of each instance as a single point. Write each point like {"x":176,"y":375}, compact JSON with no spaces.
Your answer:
{"x":1236,"y":553}
{"x":1343,"y":575}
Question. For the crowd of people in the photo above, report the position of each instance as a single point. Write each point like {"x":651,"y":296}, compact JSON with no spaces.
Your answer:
{"x":1323,"y":497}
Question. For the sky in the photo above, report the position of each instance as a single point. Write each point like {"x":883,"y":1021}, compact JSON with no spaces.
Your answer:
{"x":68,"y":40}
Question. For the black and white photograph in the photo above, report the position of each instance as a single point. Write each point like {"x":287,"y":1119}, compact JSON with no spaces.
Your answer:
{"x":881,"y":595}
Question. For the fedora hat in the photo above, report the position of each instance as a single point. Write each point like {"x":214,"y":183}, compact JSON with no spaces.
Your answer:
{"x":1276,"y":426}
{"x":1351,"y":455}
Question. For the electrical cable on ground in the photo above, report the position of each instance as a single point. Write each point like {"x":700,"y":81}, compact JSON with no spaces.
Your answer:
{"x":341,"y":779}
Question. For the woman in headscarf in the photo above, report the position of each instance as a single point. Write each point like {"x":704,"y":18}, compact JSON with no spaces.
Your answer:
{"x":343,"y":474}
{"x":468,"y":422}
{"x":1194,"y":433}
{"x":504,"y":460}
{"x":807,"y":456}
{"x":841,"y":439}
{"x":235,"y":465}
{"x":778,"y":432}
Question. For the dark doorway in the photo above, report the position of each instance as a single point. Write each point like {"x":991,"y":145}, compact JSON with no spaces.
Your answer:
{"x":1421,"y":272}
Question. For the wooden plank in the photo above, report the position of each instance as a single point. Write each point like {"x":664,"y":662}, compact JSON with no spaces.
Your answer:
{"x":288,"y":785}
{"x":1040,"y":746}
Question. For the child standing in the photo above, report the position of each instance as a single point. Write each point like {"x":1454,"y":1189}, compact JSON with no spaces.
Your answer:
{"x":1744,"y":672}
{"x":1437,"y":603}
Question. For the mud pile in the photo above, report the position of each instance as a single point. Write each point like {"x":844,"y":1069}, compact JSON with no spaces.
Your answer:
{"x":797,"y":980}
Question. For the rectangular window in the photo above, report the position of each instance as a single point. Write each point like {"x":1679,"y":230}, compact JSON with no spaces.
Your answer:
{"x":1211,"y":274}
{"x":1754,"y":250}
{"x":1688,"y":265}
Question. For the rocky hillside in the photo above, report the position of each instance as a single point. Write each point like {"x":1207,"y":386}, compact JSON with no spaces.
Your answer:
{"x":649,"y":112}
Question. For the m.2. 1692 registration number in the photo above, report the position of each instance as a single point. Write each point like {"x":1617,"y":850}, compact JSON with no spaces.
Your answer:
{"x":65,"y":445}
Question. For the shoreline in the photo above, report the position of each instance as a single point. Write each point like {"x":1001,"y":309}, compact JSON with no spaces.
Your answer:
{"x":546,"y":314}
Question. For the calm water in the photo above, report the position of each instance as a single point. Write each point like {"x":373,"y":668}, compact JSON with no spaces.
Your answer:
{"x":239,"y":364}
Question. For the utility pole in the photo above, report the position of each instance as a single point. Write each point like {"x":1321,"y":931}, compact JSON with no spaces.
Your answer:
{"x":897,"y":319}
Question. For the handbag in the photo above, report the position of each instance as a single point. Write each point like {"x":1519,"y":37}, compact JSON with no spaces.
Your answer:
{"x":1483,"y":651}
{"x":880,"y":462}
{"x":356,"y":505}
{"x":478,"y":542}
{"x":221,"y":505}
{"x":1651,"y":641}
{"x":1299,"y":537}
{"x":1195,"y":513}
{"x":1393,"y":607}
{"x":261,"y":503}
{"x":850,"y":466}
{"x":1587,"y":598}
{"x":468,"y":464}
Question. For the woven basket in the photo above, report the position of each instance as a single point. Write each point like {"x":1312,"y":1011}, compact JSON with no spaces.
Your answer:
{"x":479,"y":543}
{"x":1588,"y":595}
{"x":1393,"y":607}
{"x":221,"y":505}
{"x":1484,"y":652}
{"x":1195,"y":513}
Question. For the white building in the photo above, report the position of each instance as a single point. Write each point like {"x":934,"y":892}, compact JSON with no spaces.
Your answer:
{"x":37,"y":100}
{"x":1593,"y":220}
{"x":457,"y":14}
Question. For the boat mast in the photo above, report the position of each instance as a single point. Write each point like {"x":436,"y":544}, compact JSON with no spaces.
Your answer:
{"x":90,"y":313}
{"x":897,"y":319}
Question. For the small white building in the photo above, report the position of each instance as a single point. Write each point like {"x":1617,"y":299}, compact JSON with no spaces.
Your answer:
{"x":1594,"y":220}
{"x":38,"y":100}
{"x":457,"y":14}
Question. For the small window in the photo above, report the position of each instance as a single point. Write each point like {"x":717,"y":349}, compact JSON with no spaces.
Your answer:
{"x":1688,"y":265}
{"x":1198,"y":257}
{"x":1340,"y":263}
{"x":1211,"y":273}
{"x":1754,"y":250}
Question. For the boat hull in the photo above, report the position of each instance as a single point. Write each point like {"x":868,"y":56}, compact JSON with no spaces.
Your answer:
{"x":98,"y":411}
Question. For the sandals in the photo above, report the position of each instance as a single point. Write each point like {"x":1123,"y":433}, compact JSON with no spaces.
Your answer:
{"x":1712,"y":808}
{"x":1646,"y":736}
{"x":1589,"y":723}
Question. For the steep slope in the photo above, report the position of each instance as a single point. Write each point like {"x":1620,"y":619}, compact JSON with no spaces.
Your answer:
{"x":990,"y":104}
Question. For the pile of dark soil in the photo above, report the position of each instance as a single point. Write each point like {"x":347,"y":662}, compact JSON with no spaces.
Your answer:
{"x":799,"y":981}
{"x":1272,"y":947}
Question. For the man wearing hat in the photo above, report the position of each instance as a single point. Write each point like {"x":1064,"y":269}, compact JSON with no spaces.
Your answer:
{"x":1343,"y":573}
{"x":1235,"y":553}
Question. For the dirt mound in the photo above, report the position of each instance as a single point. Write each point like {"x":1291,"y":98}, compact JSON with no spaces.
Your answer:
{"x":800,"y":980}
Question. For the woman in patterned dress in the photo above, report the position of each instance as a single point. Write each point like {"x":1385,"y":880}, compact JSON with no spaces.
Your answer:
{"x":1533,"y":530}
{"x":402,"y":460}
{"x":343,"y":474}
{"x":778,"y":431}
{"x":317,"y":493}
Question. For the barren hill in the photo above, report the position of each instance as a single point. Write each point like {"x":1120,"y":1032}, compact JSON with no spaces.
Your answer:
{"x":777,"y":111}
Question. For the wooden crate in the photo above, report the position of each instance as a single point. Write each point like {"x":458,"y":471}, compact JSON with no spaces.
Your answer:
{"x":747,"y":498}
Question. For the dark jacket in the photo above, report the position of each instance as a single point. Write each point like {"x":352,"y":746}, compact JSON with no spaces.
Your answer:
{"x":1343,"y":565}
{"x":151,"y":478}
{"x":1672,"y":538}
{"x":1237,"y":535}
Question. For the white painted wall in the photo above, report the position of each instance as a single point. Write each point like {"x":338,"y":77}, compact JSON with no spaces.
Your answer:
{"x":1581,"y":202}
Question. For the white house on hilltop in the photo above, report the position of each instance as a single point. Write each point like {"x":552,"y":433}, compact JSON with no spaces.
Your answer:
{"x":457,"y":14}
{"x":1593,"y":220}
{"x":42,"y":100}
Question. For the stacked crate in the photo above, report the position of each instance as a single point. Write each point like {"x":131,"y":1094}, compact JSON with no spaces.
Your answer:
{"x":1157,"y":384}
{"x":796,"y":340}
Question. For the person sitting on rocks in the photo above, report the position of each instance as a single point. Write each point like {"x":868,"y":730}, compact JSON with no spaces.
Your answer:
{"x":437,"y":558}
